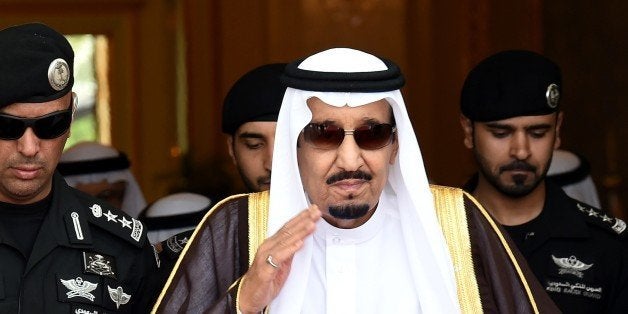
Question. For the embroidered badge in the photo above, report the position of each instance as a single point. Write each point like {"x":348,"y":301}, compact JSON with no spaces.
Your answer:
{"x":619,"y":225}
{"x":571,"y":265}
{"x":99,"y":264}
{"x":96,"y":210}
{"x":79,"y":288}
{"x":84,"y":311}
{"x":77,"y":225}
{"x":574,"y":288}
{"x":136,"y":232}
{"x":175,"y":244}
{"x":58,"y":74}
{"x":118,"y":296}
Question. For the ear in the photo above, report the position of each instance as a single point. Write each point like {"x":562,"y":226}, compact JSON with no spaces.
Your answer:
{"x":395,"y":151}
{"x":230,"y":148}
{"x":467,"y":129}
{"x":559,"y":124}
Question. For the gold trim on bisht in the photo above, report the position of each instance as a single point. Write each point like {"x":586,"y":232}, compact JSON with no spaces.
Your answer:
{"x":258,"y":221}
{"x":258,"y":226}
{"x":449,"y":205}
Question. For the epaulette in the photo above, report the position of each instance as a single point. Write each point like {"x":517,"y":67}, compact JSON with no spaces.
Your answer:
{"x":115,"y":221}
{"x":602,"y":219}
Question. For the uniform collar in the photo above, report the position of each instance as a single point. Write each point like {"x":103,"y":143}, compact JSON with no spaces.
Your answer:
{"x":66,"y":211}
{"x":558,"y":218}
{"x":563,"y":220}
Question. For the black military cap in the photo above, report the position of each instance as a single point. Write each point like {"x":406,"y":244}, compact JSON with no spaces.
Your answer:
{"x":256,"y":96}
{"x":36,"y":64}
{"x":510,"y":84}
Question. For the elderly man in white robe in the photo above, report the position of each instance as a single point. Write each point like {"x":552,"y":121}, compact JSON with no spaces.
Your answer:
{"x":350,"y":224}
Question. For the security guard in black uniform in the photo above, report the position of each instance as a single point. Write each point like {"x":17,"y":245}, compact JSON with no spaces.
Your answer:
{"x":511,"y":121}
{"x":61,"y":250}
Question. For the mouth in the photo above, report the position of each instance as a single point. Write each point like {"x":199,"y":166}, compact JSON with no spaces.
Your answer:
{"x":350,"y":186}
{"x":26,"y":172}
{"x":518,"y":171}
{"x":263,"y":182}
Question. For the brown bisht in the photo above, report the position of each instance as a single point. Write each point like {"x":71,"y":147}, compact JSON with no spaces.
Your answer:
{"x":491,"y":275}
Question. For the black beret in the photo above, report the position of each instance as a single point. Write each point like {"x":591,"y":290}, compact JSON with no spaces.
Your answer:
{"x":510,"y":84}
{"x":356,"y":82}
{"x":36,"y":64}
{"x":256,"y":96}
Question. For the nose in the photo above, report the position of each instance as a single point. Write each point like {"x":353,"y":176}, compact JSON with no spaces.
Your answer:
{"x":520,"y":146}
{"x":268,"y":157}
{"x":28,"y":144}
{"x":349,"y":154}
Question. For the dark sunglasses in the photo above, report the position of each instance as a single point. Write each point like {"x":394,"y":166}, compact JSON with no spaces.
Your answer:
{"x":330,"y":136}
{"x":46,"y":127}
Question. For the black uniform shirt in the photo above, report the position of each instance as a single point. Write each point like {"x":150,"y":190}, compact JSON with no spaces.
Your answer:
{"x":576,"y":253}
{"x":19,"y":224}
{"x":87,"y":258}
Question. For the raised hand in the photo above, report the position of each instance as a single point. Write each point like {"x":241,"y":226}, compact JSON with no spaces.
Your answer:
{"x":271,"y":265}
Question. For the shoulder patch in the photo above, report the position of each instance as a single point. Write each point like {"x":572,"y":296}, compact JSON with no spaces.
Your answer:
{"x":117,"y":222}
{"x":602,"y":219}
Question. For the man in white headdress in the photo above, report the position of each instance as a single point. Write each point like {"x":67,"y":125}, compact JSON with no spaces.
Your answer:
{"x":173,"y":214}
{"x":104,"y":172}
{"x":345,"y":151}
{"x":572,"y":173}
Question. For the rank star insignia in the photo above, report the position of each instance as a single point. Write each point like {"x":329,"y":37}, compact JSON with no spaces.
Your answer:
{"x":581,"y":208}
{"x":125,"y":223}
{"x":99,"y":264}
{"x":110,"y":216}
{"x":118,"y":296}
{"x":605,"y":218}
{"x":79,"y":288}
{"x":592,"y":212}
{"x":571,"y":265}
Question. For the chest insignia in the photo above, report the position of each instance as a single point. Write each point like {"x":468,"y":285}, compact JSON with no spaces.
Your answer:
{"x":571,"y":265}
{"x":175,"y":244}
{"x":118,"y":296}
{"x":79,"y":288}
{"x":96,"y":210}
{"x":99,"y":264}
{"x":84,"y":311}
